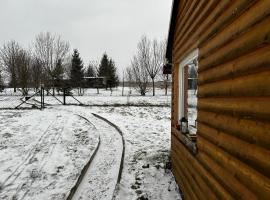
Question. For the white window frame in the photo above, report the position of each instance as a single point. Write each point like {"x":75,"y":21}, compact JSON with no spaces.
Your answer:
{"x":189,"y":59}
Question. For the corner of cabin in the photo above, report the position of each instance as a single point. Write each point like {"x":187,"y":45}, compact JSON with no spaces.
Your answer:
{"x":222,"y":91}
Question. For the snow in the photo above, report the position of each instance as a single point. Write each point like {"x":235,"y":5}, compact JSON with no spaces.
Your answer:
{"x":101,"y":177}
{"x":192,"y":110}
{"x":9,"y":99}
{"x":147,"y":135}
{"x":42,"y":153}
{"x":55,"y":141}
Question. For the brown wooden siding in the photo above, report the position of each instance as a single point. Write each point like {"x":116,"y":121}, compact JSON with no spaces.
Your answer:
{"x":233,"y":159}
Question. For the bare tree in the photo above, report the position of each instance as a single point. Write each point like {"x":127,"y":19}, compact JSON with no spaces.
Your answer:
{"x":129,"y":77}
{"x":23,"y":68}
{"x":161,"y":61}
{"x":166,"y":79}
{"x":67,"y":64}
{"x":8,"y":55}
{"x":139,"y":74}
{"x":36,"y":72}
{"x":157,"y":60}
{"x":49,"y":49}
{"x":140,"y":64}
{"x":123,"y":82}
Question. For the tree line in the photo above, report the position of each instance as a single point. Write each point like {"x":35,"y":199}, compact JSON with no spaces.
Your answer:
{"x":48,"y":62}
{"x":147,"y":65}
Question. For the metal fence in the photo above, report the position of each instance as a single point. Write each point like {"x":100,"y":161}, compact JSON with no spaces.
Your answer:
{"x":36,"y":98}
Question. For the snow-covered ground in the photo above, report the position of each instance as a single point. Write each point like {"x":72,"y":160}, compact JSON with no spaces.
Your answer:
{"x":106,"y":97}
{"x":100,"y":179}
{"x":9,"y":99}
{"x":147,"y":135}
{"x":43,"y":152}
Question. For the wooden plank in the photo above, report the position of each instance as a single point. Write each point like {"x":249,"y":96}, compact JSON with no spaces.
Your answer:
{"x":248,"y":108}
{"x":197,"y":22}
{"x":255,"y":37}
{"x":183,"y":55}
{"x":253,"y":155}
{"x":188,"y":177}
{"x":188,"y":192}
{"x":182,"y":9}
{"x":207,"y":192}
{"x":225,"y":12}
{"x":220,"y":192}
{"x":256,"y":84}
{"x":191,"y":19}
{"x":238,"y":190}
{"x":254,"y":132}
{"x":246,"y":64}
{"x":190,"y":145}
{"x":185,"y":14}
{"x":178,"y":177}
{"x":256,"y":13}
{"x":256,"y":182}
{"x":235,"y":9}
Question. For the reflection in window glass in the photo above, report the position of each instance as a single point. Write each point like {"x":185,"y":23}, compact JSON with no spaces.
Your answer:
{"x":192,"y":97}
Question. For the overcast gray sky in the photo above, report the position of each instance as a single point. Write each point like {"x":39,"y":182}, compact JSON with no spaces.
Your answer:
{"x":92,"y":26}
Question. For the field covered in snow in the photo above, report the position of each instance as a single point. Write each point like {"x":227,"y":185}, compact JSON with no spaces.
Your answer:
{"x":9,"y":99}
{"x":147,"y":135}
{"x":42,"y":153}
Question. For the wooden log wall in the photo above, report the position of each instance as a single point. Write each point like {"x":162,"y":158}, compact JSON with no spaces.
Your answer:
{"x":233,"y":144}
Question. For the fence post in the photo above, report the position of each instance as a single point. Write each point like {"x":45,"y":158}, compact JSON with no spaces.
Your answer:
{"x":42,"y":96}
{"x":64,"y":96}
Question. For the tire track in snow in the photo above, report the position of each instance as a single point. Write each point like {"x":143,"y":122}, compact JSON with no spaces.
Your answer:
{"x":51,"y":135}
{"x":31,"y":153}
{"x":47,"y":154}
{"x":123,"y":152}
{"x":85,"y":168}
{"x":101,"y":178}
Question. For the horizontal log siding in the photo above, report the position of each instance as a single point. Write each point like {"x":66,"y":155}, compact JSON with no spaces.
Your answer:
{"x":224,"y":12}
{"x":256,"y":61}
{"x":233,"y":159}
{"x":244,"y":86}
{"x":255,"y":37}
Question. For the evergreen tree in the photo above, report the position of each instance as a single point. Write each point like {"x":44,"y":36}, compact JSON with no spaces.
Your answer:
{"x":90,"y":71}
{"x":107,"y":69}
{"x":113,"y":78}
{"x":103,"y":70}
{"x":58,"y":73}
{"x":77,"y":72}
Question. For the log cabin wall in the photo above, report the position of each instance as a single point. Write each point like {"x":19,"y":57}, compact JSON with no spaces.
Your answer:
{"x":233,"y":137}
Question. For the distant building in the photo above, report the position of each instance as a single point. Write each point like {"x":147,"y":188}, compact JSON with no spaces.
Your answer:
{"x":94,"y":82}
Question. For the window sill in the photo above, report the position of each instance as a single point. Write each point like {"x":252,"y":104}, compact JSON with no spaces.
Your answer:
{"x":188,"y":140}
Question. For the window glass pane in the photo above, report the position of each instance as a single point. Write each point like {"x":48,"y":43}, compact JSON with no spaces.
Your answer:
{"x":192,"y":98}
